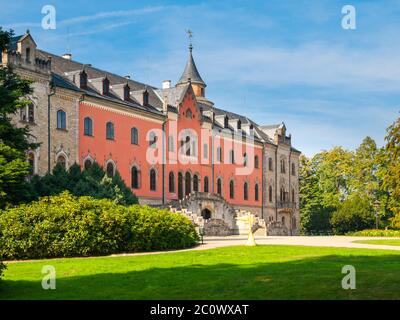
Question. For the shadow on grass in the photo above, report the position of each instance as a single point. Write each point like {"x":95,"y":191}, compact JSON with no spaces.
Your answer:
{"x":378,"y":277}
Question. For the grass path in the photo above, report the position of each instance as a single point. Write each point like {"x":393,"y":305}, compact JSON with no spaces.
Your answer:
{"x":262,"y":272}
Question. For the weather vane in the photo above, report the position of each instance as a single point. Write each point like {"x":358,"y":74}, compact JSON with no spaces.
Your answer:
{"x":190,"y":35}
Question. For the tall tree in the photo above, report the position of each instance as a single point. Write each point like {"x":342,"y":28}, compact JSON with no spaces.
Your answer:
{"x":14,"y":141}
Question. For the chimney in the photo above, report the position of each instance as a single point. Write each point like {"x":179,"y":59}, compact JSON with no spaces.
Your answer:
{"x":67,"y":56}
{"x":166,"y":84}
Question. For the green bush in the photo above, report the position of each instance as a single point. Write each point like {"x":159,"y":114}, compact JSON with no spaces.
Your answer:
{"x":354,"y":214}
{"x":65,"y":226}
{"x":91,"y":182}
{"x":375,"y":233}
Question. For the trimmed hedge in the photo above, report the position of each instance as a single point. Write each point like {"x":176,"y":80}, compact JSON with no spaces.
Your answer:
{"x":66,"y":226}
{"x":376,"y":233}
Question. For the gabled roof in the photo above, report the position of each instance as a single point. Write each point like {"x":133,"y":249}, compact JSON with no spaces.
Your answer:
{"x":191,"y":74}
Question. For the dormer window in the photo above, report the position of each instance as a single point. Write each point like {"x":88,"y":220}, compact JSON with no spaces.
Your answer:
{"x":189,"y":114}
{"x":127,"y":94}
{"x":239,"y":124}
{"x":28,"y":55}
{"x":106,"y":86}
{"x":145,"y":98}
{"x":226,"y":122}
{"x":83,"y":80}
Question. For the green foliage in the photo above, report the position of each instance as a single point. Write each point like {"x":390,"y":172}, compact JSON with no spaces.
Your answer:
{"x":13,"y":170}
{"x":2,"y":268}
{"x":354,"y":214}
{"x":91,"y":182}
{"x":375,"y":233}
{"x":314,"y":216}
{"x":65,"y":226}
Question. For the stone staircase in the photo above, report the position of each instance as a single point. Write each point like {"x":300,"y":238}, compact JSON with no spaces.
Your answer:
{"x":226,"y":223}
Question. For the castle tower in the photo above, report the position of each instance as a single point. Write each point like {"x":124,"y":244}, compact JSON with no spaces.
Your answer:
{"x":191,"y":74}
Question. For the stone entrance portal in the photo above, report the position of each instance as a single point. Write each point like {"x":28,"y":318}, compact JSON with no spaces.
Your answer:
{"x":206,"y":214}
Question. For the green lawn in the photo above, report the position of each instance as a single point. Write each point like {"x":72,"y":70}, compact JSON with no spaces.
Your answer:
{"x":262,"y":272}
{"x":395,"y":242}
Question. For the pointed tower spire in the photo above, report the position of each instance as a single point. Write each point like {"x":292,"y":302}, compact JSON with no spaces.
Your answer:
{"x":191,"y":74}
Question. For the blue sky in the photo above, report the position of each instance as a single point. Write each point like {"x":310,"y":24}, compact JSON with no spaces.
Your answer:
{"x":273,"y":61}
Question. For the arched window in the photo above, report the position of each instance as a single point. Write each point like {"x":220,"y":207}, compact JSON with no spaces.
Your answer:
{"x":245,"y":160}
{"x":110,"y":169}
{"x":88,"y":126}
{"x":231,"y":189}
{"x":283,"y":220}
{"x":171,"y":182}
{"x":256,"y":192}
{"x":87,"y":164}
{"x":293,"y":169}
{"x":189,"y":114}
{"x":282,"y":194}
{"x":31,"y":160}
{"x":62,"y":161}
{"x":135,"y":177}
{"x":270,"y":194}
{"x":256,"y":162}
{"x":270,"y":164}
{"x":206,"y":184}
{"x":31,"y":113}
{"x":219,"y":186}
{"x":61,"y":120}
{"x":109,"y":131}
{"x":294,"y":223}
{"x":180,"y":185}
{"x":205,"y":150}
{"x":219,"y":154}
{"x":134,"y":136}
{"x":152,"y":140}
{"x":283,"y":166}
{"x":232,"y":157}
{"x":153,"y":180}
{"x":195,"y":183}
{"x":188,"y":183}
{"x":245,"y":191}
{"x":293,"y":195}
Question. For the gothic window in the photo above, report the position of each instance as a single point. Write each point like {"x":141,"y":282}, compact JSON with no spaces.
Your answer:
{"x":62,"y":161}
{"x":219,"y":186}
{"x":283,"y":166}
{"x":171,"y":182}
{"x":206,"y":184}
{"x":61,"y":120}
{"x":87,"y":164}
{"x":245,"y":160}
{"x":31,"y":160}
{"x":270,"y":164}
{"x":245,"y":191}
{"x":195,"y":183}
{"x":256,"y":162}
{"x":293,"y":195}
{"x":134,"y":136}
{"x":153,"y":180}
{"x":293,"y":169}
{"x":231,"y":189}
{"x":135,"y":177}
{"x":110,"y":131}
{"x":189,"y":114}
{"x":110,"y":169}
{"x":270,"y":194}
{"x":31,"y":113}
{"x":88,"y":126}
